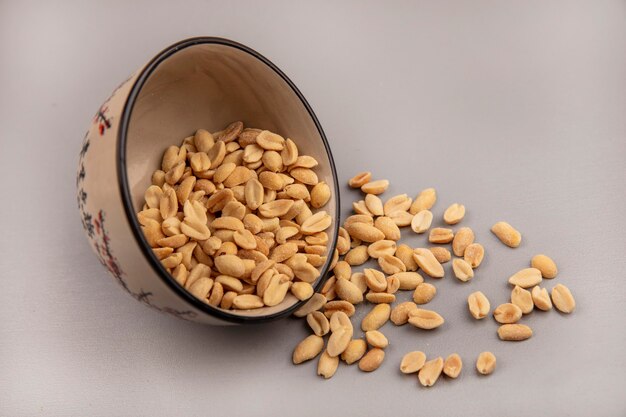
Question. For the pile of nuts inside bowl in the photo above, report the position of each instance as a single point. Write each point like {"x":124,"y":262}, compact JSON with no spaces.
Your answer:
{"x":230,"y":215}
{"x":237,"y":218}
{"x":373,"y":231}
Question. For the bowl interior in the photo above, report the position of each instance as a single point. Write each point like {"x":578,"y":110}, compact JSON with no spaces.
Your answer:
{"x":209,"y":85}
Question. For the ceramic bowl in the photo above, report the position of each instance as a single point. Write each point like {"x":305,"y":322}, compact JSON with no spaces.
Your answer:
{"x":196,"y":83}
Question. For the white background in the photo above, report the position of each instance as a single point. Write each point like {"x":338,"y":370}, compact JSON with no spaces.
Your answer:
{"x":516,"y":109}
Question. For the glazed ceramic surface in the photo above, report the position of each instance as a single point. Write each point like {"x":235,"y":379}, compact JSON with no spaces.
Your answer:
{"x":197,"y":83}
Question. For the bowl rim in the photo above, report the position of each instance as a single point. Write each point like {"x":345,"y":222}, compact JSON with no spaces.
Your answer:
{"x":125,"y":189}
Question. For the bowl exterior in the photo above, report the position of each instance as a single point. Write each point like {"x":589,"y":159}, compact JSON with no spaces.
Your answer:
{"x":104,"y":219}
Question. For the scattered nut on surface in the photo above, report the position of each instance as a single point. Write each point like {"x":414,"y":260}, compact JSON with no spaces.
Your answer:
{"x":507,"y":234}
{"x":523,"y":299}
{"x":541,"y":298}
{"x":507,"y":313}
{"x":454,"y":214}
{"x":360,"y":179}
{"x":373,"y":232}
{"x":430,"y":372}
{"x":424,"y":293}
{"x":486,"y":363}
{"x":425,"y":319}
{"x":425,"y":200}
{"x":307,"y":349}
{"x":526,"y":278}
{"x":478,"y":305}
{"x":354,"y":352}
{"x":544,"y":264}
{"x":514,"y":332}
{"x":412,"y":362}
{"x":453,"y":365}
{"x":372,"y":360}
{"x":462,"y":270}
{"x":563,"y":299}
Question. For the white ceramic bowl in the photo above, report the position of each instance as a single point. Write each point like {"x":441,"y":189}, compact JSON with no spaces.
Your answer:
{"x":196,"y":83}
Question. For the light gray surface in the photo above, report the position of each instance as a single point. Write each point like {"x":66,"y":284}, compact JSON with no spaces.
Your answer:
{"x":515,"y":109}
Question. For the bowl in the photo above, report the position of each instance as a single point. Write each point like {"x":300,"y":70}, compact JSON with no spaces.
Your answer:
{"x":202,"y":82}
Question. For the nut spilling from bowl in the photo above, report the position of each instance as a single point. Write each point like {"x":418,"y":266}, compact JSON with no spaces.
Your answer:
{"x":372,"y":235}
{"x":236,"y":217}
